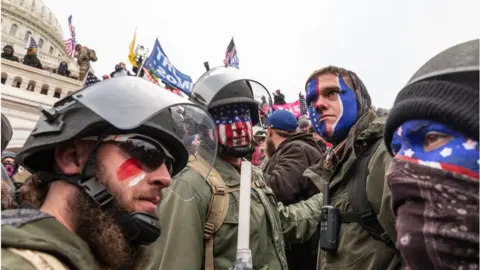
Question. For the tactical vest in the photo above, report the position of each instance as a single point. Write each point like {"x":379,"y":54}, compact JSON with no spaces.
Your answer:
{"x":218,"y":207}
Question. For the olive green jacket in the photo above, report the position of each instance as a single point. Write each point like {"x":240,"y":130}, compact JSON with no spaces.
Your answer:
{"x":183,"y":212}
{"x":357,"y":248}
{"x":30,"y":229}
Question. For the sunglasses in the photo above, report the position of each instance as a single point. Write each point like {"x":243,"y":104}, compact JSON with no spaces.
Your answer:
{"x":150,"y":153}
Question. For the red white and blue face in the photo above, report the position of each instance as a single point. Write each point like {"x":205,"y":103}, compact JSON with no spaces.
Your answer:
{"x":332,"y":106}
{"x":233,"y":124}
{"x":438,"y":146}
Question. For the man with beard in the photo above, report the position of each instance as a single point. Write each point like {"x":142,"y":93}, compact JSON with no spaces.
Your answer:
{"x":289,"y":155}
{"x":202,"y":233}
{"x":432,"y":131}
{"x":355,"y":170}
{"x":99,"y":172}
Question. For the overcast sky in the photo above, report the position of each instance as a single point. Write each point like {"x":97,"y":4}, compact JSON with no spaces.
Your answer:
{"x":279,"y":44}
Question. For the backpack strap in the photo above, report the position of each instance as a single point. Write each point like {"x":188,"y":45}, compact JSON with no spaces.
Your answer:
{"x":218,"y":207}
{"x":39,"y":260}
{"x":357,"y":193}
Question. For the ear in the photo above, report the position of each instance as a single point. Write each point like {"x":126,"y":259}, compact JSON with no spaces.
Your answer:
{"x":68,"y":159}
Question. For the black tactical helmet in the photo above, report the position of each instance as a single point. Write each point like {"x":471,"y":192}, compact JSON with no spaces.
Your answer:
{"x":124,"y":105}
{"x":459,"y":61}
{"x":6,"y":132}
{"x":226,"y":85}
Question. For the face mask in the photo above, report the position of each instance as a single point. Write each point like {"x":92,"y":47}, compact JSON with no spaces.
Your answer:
{"x":234,"y":124}
{"x":435,"y":196}
{"x":10,"y":167}
{"x":347,"y":102}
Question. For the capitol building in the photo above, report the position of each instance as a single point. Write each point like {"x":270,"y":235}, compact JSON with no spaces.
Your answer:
{"x":25,"y":88}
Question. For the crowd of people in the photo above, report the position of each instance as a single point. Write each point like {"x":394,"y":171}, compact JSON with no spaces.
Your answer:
{"x":157,"y":186}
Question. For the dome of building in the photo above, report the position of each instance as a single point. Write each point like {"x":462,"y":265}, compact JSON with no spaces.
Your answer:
{"x":24,"y":18}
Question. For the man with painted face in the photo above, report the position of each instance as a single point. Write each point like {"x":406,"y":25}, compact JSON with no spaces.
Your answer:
{"x":355,"y":168}
{"x":432,"y":131}
{"x":202,"y":232}
{"x":99,"y":170}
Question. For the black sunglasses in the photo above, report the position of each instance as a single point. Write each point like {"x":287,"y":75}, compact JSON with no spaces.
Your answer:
{"x":150,"y":153}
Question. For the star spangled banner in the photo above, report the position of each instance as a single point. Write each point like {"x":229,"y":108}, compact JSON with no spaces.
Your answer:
{"x":31,"y":42}
{"x":160,"y":66}
{"x":91,"y":79}
{"x":71,"y":42}
{"x":231,"y":57}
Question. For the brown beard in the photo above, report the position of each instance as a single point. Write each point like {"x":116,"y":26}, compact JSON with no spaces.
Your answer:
{"x":104,"y":236}
{"x":269,"y":147}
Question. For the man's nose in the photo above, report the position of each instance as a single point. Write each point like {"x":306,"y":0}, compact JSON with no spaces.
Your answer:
{"x":321,"y":104}
{"x":160,"y":177}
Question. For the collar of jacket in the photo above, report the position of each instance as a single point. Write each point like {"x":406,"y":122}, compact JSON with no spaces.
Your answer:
{"x":305,"y":137}
{"x":368,"y":128}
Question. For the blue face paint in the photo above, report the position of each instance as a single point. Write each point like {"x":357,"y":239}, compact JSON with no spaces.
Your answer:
{"x":459,"y":155}
{"x":346,"y":114}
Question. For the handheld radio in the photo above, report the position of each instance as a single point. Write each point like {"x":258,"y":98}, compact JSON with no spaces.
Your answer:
{"x":329,"y":223}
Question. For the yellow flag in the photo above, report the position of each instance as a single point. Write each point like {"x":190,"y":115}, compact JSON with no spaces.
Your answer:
{"x":131,"y":55}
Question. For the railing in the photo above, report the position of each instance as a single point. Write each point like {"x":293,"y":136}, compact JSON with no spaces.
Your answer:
{"x":34,"y":80}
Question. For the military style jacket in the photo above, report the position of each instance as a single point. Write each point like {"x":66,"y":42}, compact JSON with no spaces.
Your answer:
{"x":357,"y":248}
{"x":183,"y":212}
{"x":26,"y":232}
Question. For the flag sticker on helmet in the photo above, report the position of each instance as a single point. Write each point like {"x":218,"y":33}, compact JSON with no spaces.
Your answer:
{"x":131,"y":169}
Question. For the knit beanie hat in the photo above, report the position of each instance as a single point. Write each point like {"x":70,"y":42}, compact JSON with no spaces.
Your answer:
{"x":445,"y":90}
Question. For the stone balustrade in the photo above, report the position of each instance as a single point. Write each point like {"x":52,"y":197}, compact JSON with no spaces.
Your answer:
{"x":34,"y":80}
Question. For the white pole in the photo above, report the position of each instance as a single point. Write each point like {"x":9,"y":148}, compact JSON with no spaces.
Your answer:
{"x":244,"y":254}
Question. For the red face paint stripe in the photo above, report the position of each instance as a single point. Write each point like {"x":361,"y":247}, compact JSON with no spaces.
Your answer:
{"x":129,"y":168}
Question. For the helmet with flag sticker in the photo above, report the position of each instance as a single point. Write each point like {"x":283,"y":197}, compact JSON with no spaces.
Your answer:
{"x":129,"y":111}
{"x":224,"y":91}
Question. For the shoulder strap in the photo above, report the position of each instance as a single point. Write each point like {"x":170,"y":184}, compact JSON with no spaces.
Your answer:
{"x":39,"y":260}
{"x":218,"y":207}
{"x":357,"y":193}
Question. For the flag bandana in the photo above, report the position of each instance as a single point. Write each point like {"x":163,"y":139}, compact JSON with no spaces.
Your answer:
{"x":234,"y":124}
{"x":459,"y":155}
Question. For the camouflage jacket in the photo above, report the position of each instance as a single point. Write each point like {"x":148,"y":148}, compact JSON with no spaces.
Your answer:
{"x":357,"y":249}
{"x":183,"y":212}
{"x":83,"y":60}
{"x":32,"y":230}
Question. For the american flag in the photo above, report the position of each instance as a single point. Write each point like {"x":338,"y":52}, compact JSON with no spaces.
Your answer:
{"x":231,"y":57}
{"x":31,"y":42}
{"x":233,"y":124}
{"x":91,"y":79}
{"x":71,"y":42}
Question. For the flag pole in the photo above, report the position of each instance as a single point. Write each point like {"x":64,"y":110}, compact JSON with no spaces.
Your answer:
{"x":140,"y":69}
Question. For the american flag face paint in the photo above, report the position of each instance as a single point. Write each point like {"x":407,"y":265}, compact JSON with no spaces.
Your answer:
{"x":130,"y":170}
{"x":415,"y":140}
{"x":233,"y":124}
{"x":348,"y":109}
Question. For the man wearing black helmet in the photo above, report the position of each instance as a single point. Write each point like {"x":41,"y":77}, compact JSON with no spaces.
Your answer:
{"x":99,"y":170}
{"x":432,"y":134}
{"x":202,"y":233}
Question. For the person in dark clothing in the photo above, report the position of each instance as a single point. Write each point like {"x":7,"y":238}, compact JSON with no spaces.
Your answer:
{"x":31,"y":59}
{"x":63,"y":69}
{"x":8,"y":53}
{"x":278,"y":98}
{"x":289,"y":155}
{"x":120,"y":70}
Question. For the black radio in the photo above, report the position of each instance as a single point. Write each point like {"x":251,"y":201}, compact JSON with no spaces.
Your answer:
{"x":329,"y":223}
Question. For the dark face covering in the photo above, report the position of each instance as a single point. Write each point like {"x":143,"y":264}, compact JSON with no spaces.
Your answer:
{"x":435,"y":197}
{"x":437,"y":216}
